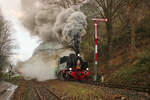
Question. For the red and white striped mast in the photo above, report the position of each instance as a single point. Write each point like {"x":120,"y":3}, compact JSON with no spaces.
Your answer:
{"x":96,"y":20}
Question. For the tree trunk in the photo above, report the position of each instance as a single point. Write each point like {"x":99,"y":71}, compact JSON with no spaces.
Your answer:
{"x":109,"y":38}
{"x":132,"y":20}
{"x":132,"y":37}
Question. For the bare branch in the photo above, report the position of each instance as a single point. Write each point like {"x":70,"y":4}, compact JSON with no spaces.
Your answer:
{"x":6,"y":42}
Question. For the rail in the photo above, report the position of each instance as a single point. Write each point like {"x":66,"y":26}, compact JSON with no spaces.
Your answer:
{"x":121,"y":86}
{"x":46,"y":94}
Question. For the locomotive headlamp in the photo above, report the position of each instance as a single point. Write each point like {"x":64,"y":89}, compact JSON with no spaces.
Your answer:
{"x":87,"y":68}
{"x":70,"y":69}
{"x":79,"y":55}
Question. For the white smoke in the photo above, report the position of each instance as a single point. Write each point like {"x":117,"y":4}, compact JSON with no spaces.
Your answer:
{"x":52,"y":22}
{"x":56,"y":26}
{"x":26,"y":44}
{"x":42,"y":65}
{"x":76,"y":24}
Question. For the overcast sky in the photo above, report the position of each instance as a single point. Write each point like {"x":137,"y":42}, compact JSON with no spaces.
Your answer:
{"x":11,"y":10}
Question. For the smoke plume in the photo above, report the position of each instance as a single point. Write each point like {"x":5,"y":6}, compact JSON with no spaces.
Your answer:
{"x":51,"y":22}
{"x":56,"y":27}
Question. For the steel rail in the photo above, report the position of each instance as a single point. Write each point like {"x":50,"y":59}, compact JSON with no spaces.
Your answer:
{"x":121,"y":86}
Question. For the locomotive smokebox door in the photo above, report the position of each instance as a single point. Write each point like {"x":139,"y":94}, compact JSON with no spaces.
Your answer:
{"x":78,"y":64}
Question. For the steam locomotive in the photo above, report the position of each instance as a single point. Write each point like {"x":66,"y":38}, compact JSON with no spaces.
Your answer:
{"x":73,"y":67}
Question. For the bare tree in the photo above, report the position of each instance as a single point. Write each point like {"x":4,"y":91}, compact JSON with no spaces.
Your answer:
{"x":69,"y":3}
{"x":136,"y":11}
{"x":132,"y":21}
{"x":109,"y":9}
{"x":6,"y":43}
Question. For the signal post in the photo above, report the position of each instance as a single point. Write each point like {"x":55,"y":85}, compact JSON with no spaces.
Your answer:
{"x":96,"y":21}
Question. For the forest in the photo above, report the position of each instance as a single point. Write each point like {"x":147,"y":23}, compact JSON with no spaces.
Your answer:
{"x":123,"y":47}
{"x":123,"y":42}
{"x":123,"y":69}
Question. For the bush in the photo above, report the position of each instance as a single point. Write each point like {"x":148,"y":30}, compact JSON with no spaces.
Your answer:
{"x":143,"y":29}
{"x":143,"y":64}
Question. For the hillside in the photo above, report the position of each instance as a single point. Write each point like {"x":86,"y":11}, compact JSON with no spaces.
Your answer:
{"x":128,"y":58}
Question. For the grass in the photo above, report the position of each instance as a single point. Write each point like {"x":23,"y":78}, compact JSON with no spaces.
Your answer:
{"x":13,"y":80}
{"x":77,"y":90}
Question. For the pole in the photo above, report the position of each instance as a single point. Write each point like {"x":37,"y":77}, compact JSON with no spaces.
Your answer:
{"x":96,"y":51}
{"x":96,"y":20}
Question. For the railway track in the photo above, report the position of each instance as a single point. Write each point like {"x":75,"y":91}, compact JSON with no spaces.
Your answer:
{"x":43,"y":93}
{"x":121,"y":86}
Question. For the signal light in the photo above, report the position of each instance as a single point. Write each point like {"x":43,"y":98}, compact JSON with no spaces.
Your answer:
{"x":105,"y":20}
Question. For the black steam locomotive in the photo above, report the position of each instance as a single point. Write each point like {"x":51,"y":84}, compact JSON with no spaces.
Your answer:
{"x":72,"y":67}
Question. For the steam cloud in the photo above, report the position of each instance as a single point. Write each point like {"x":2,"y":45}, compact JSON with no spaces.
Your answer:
{"x":56,"y":27}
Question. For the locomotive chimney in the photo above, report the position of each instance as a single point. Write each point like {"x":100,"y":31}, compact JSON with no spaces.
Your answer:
{"x":76,"y":43}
